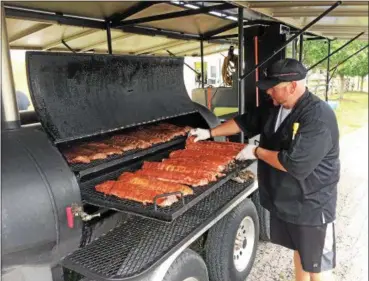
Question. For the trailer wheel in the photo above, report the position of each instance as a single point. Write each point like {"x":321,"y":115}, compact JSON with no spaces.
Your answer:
{"x":189,"y":266}
{"x":264,"y":217}
{"x":231,"y":244}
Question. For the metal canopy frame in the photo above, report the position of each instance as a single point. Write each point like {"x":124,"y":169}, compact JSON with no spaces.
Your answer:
{"x":185,"y":13}
{"x":119,"y":21}
{"x":335,"y":5}
{"x":114,"y":22}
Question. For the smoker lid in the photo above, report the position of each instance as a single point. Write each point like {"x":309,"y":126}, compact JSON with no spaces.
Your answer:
{"x":83,"y":95}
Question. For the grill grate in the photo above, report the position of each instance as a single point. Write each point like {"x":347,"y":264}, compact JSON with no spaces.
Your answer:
{"x":91,"y":196}
{"x":140,"y":243}
{"x":113,"y":160}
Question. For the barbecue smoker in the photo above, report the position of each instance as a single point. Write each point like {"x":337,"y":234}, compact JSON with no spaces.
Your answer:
{"x":55,"y":226}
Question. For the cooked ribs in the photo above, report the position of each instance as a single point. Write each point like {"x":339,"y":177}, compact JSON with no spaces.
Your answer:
{"x":200,"y":173}
{"x":105,"y":187}
{"x":175,"y":177}
{"x":143,"y":189}
{"x":81,"y":154}
{"x":140,"y":194}
{"x":196,"y":163}
{"x":151,"y":183}
{"x":142,"y":138}
{"x":200,"y":155}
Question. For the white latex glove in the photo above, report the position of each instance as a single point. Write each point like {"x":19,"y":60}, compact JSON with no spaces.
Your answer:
{"x":200,"y":134}
{"x":247,"y":153}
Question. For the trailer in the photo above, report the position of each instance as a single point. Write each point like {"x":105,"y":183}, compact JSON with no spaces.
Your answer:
{"x":55,"y":225}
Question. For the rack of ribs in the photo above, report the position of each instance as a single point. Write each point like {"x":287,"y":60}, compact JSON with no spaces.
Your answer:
{"x":141,"y":138}
{"x":140,"y":194}
{"x":151,"y":183}
{"x":175,"y":177}
{"x":127,"y":143}
{"x":196,"y":163}
{"x":103,"y":148}
{"x":195,"y":154}
{"x":81,"y":154}
{"x":144,"y":189}
{"x":209,"y":175}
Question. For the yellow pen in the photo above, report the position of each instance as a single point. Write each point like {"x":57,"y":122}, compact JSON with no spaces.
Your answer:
{"x":295,"y":128}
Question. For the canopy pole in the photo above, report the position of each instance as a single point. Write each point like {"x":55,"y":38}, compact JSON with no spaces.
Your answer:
{"x":327,"y":79}
{"x":301,"y":47}
{"x":202,"y":63}
{"x":241,"y":82}
{"x":9,"y":108}
{"x":108,"y":34}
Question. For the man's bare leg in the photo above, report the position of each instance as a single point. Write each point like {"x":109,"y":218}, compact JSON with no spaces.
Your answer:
{"x":300,"y":274}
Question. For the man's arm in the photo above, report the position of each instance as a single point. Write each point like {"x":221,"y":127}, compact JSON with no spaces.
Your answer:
{"x":270,"y":157}
{"x":228,"y":128}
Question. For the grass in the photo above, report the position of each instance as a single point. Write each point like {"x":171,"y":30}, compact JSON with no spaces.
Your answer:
{"x":352,"y":111}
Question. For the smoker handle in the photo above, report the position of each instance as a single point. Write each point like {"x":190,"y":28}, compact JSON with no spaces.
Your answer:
{"x":166,"y":195}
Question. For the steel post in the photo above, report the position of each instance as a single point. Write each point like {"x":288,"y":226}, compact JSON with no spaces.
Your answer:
{"x":301,"y":49}
{"x":9,"y":107}
{"x":241,"y":82}
{"x":327,"y":79}
{"x":202,"y":63}
{"x":108,"y":35}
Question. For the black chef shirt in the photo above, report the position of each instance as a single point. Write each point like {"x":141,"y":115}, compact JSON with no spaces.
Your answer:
{"x":307,"y":193}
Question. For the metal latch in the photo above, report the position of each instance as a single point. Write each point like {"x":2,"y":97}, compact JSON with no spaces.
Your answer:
{"x":77,"y":211}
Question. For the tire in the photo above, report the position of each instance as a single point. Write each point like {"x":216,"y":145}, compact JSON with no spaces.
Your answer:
{"x":220,"y":244}
{"x":264,"y":217}
{"x":188,"y":266}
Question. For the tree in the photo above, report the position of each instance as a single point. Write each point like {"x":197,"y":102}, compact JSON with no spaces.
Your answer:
{"x":356,"y":66}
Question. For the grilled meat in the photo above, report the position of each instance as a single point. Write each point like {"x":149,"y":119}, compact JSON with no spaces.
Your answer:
{"x":140,"y":139}
{"x":150,"y":183}
{"x":105,"y":187}
{"x":140,"y":194}
{"x":175,"y":177}
{"x":210,"y":175}
{"x":196,"y":155}
{"x":81,"y":154}
{"x":196,"y":163}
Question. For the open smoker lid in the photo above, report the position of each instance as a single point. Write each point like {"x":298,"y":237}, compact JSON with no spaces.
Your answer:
{"x":82,"y":95}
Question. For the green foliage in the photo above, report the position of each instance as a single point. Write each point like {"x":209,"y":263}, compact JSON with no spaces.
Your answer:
{"x":356,"y":66}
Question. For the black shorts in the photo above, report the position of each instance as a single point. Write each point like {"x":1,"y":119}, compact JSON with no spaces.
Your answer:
{"x":316,"y":245}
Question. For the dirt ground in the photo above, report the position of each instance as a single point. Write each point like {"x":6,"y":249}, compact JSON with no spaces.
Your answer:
{"x":274,"y":263}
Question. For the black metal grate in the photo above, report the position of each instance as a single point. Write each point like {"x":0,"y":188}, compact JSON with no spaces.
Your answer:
{"x":113,"y":160}
{"x":140,"y":243}
{"x":91,"y":196}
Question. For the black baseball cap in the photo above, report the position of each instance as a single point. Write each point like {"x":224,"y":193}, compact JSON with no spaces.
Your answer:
{"x":285,"y":70}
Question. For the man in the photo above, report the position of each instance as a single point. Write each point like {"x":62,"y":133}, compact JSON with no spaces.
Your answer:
{"x":298,"y":167}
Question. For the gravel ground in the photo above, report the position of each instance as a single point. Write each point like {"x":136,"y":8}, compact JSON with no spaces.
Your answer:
{"x":274,"y":263}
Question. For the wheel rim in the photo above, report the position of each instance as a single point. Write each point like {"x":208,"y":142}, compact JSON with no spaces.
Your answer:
{"x":244,"y":244}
